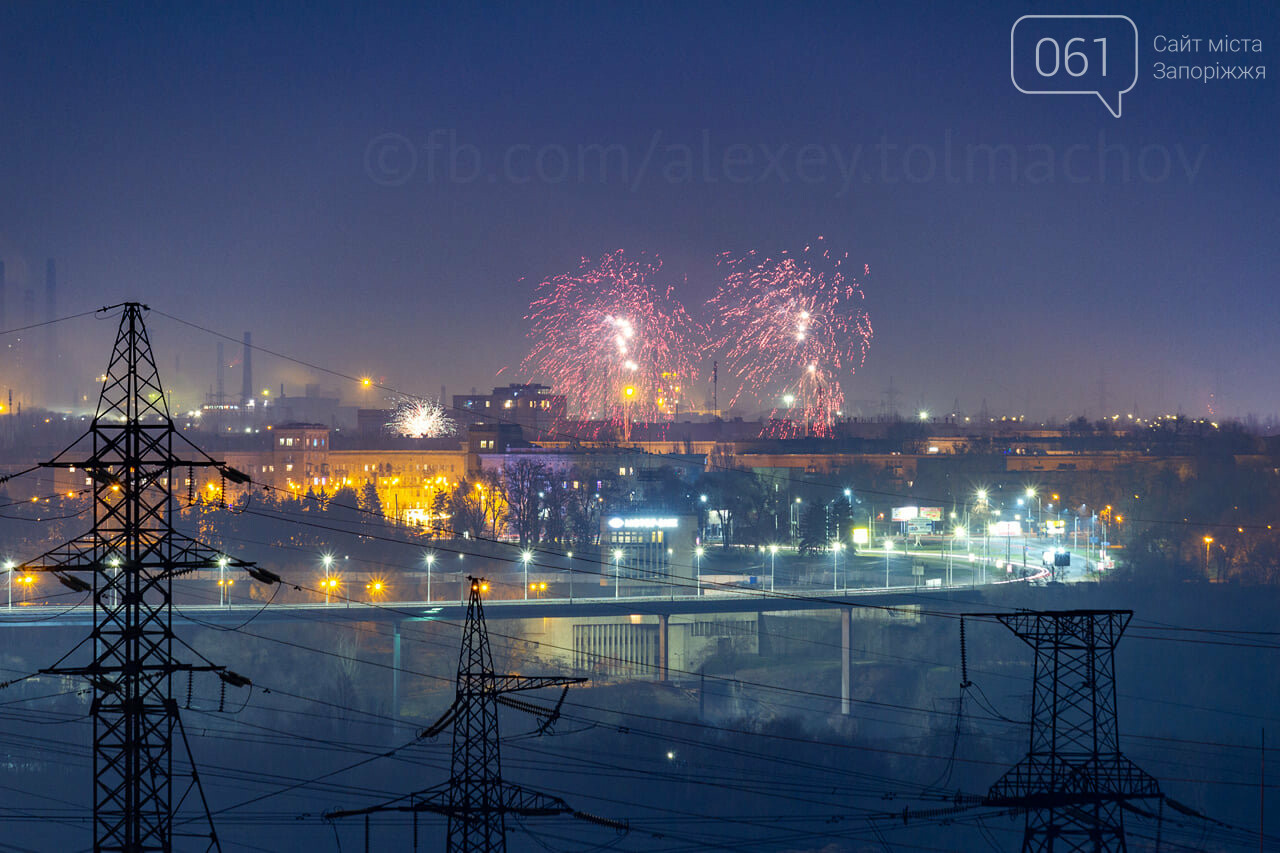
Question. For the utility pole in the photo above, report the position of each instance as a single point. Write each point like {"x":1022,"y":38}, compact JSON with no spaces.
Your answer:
{"x":1074,"y":781}
{"x":476,"y":799}
{"x":133,"y":554}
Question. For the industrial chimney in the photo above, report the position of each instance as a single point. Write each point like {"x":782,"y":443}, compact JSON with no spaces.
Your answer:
{"x":246,"y":387}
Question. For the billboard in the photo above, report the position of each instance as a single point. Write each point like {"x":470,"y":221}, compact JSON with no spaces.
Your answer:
{"x":933,"y":513}
{"x":1006,"y":528}
{"x":861,"y":536}
{"x":905,"y":513}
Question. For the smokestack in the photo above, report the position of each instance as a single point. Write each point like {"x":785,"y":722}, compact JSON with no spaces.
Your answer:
{"x":220,"y":398}
{"x":246,"y":386}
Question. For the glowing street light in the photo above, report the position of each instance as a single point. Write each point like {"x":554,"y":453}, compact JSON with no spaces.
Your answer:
{"x":525,"y":557}
{"x":617,"y":570}
{"x":773,"y":553}
{"x":328,"y":583}
{"x":429,"y":559}
{"x":835,"y":564}
{"x":697,"y":553}
{"x":888,"y":548}
{"x":114,"y":563}
{"x":1208,"y":540}
{"x":222,"y":581}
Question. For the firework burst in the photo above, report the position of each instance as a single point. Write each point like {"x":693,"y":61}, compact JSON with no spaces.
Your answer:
{"x":615,"y":343}
{"x":415,"y":418}
{"x":792,"y":328}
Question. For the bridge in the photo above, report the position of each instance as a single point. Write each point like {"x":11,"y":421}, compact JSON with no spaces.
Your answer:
{"x":634,"y":609}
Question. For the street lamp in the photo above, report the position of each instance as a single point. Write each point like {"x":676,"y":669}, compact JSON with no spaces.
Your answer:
{"x":888,"y":548}
{"x":525,"y":557}
{"x":835,"y":565}
{"x":8,"y":567}
{"x":570,"y":556}
{"x":697,"y":553}
{"x":430,"y":560}
{"x":222,"y":581}
{"x":1208,"y":540}
{"x":115,"y":583}
{"x":957,"y":534}
{"x":327,"y":561}
{"x":617,"y":570}
{"x":773,"y":554}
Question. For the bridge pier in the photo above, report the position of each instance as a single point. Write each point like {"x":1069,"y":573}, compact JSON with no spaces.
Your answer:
{"x":846,"y":628}
{"x":664,"y":646}
{"x":395,"y":669}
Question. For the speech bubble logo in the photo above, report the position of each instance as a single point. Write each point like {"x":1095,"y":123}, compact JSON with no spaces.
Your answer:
{"x":1075,"y":55}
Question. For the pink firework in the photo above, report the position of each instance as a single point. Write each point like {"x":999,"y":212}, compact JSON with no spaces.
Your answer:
{"x":793,"y":328}
{"x":617,"y":345}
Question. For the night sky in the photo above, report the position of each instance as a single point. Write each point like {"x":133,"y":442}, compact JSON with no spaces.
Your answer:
{"x":238,"y":167}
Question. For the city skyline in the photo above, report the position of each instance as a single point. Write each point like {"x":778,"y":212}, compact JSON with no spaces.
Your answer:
{"x":385,"y":205}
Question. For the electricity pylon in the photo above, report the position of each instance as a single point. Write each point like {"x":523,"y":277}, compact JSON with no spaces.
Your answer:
{"x":133,"y":554}
{"x":476,"y":799}
{"x":1074,"y":781}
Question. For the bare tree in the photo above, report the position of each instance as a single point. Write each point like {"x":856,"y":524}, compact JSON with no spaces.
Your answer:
{"x":493,"y":502}
{"x":524,"y":485}
{"x":466,"y":510}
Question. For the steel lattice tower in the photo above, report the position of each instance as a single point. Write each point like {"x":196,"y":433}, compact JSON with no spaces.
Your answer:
{"x":133,"y":554}
{"x":476,"y":798}
{"x":1074,"y":779}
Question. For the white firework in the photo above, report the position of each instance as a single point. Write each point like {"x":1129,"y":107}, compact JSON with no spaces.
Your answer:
{"x":421,"y":419}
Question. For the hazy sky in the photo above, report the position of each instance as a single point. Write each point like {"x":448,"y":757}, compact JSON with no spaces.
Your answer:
{"x":377,"y":189}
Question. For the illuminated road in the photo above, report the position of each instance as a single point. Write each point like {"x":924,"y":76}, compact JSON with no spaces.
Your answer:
{"x":712,"y":600}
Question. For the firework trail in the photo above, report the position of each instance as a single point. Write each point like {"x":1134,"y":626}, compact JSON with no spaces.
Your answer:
{"x":415,"y":418}
{"x":620,"y":347}
{"x":792,"y":328}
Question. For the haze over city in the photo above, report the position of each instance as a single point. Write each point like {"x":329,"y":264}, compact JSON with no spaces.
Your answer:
{"x":289,"y":173}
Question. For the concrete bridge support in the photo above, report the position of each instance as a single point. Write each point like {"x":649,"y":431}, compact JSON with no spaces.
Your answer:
{"x":846,"y":628}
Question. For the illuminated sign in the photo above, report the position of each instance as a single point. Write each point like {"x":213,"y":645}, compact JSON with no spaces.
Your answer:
{"x":933,"y":513}
{"x":861,"y":536}
{"x":645,"y":523}
{"x":905,"y":513}
{"x":1006,"y":528}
